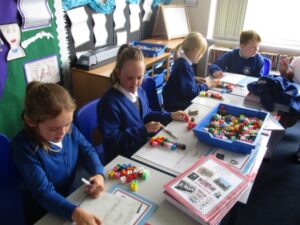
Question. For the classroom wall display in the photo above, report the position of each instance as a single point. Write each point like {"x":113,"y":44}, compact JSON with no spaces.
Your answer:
{"x":37,"y":44}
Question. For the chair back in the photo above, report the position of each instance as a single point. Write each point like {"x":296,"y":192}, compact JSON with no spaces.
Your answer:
{"x":86,"y":121}
{"x":11,"y":211}
{"x":149,"y":86}
{"x":267,"y":66}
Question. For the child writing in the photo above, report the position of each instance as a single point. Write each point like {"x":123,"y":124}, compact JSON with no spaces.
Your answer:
{"x":243,"y":60}
{"x":125,"y":120}
{"x":47,"y":152}
{"x":182,"y":85}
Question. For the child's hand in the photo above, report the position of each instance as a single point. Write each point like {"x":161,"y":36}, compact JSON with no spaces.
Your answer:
{"x":97,"y":186}
{"x":200,"y":80}
{"x":179,"y":116}
{"x":153,"y":127}
{"x":214,"y":83}
{"x":82,"y":217}
{"x":218,"y":74}
{"x":283,"y":67}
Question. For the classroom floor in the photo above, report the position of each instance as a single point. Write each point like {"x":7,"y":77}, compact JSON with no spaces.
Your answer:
{"x":275,"y":197}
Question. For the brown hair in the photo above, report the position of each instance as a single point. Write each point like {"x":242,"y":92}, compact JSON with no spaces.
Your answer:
{"x":125,"y":53}
{"x":44,"y":101}
{"x":249,"y":35}
{"x":193,"y":40}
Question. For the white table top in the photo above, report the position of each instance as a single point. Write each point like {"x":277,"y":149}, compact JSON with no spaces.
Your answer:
{"x":151,"y":189}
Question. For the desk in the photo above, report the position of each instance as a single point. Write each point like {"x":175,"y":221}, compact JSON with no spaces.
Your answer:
{"x":152,"y":189}
{"x":91,"y":84}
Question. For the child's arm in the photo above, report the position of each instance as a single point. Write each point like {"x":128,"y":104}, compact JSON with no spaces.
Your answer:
{"x":285,"y":70}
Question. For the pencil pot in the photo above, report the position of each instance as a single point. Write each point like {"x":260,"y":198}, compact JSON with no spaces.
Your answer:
{"x":233,"y":128}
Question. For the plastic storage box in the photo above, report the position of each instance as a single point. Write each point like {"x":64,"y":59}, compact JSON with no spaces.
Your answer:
{"x":149,"y":49}
{"x":231,"y":145}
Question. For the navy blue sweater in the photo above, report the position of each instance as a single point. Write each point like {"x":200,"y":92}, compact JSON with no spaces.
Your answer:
{"x":181,"y":87}
{"x":122,"y":124}
{"x":232,"y":62}
{"x":48,"y":177}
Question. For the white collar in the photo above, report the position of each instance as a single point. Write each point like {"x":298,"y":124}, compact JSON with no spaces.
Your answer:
{"x":182,"y":55}
{"x":132,"y":97}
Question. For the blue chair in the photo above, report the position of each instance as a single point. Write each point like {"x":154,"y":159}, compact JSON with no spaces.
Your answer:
{"x":149,"y":86}
{"x":11,"y":209}
{"x":267,"y":66}
{"x":86,"y":121}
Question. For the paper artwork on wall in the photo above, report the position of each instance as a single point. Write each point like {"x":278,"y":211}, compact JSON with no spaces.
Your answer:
{"x":119,"y":16}
{"x":35,"y":14}
{"x":44,"y":70}
{"x":121,"y":38}
{"x":3,"y":65}
{"x":134,"y":17}
{"x":100,"y":31}
{"x":79,"y":28}
{"x":12,"y":34}
{"x":147,"y":9}
{"x":39,"y":35}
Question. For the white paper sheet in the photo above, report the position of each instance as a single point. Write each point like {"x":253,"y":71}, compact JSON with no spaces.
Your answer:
{"x":232,"y":78}
{"x":79,"y":28}
{"x":134,"y":17}
{"x":35,"y":14}
{"x":121,"y":38}
{"x":100,"y":31}
{"x":44,"y":70}
{"x":148,"y":10}
{"x":112,"y":209}
{"x":119,"y":17}
{"x":12,"y":34}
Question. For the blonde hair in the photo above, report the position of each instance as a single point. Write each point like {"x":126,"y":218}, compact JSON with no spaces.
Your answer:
{"x":44,"y":101}
{"x":249,"y":35}
{"x":193,"y":40}
{"x":125,"y":53}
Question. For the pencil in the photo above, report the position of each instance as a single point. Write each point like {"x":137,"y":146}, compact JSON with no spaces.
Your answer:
{"x":170,"y":133}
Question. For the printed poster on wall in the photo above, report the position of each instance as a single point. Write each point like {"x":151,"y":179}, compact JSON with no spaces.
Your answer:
{"x":44,"y":70}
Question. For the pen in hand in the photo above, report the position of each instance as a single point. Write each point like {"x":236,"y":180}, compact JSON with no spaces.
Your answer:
{"x":86,"y":182}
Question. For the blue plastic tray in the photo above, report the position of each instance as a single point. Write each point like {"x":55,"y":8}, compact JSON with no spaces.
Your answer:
{"x":236,"y":145}
{"x":149,"y":49}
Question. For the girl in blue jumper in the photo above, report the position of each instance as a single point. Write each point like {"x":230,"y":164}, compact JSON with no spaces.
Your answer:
{"x":243,"y":60}
{"x":47,"y":153}
{"x":125,"y":120}
{"x":182,"y":85}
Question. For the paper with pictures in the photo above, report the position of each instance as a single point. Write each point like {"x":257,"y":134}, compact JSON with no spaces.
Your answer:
{"x":112,"y":209}
{"x":119,"y":16}
{"x":207,"y":187}
{"x":234,"y":159}
{"x":121,"y":38}
{"x":147,"y":10}
{"x":12,"y":34}
{"x":100,"y":31}
{"x":79,"y":28}
{"x":145,"y":210}
{"x":35,"y":14}
{"x":44,"y":70}
{"x":134,"y":17}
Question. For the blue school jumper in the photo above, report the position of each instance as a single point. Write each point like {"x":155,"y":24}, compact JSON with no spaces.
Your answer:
{"x":232,"y":62}
{"x":48,"y":177}
{"x":181,"y":87}
{"x":122,"y":124}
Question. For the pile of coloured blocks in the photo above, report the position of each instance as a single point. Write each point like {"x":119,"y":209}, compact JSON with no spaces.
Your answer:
{"x":229,"y":127}
{"x":128,"y":173}
{"x":210,"y":94}
{"x":166,"y":142}
{"x":227,"y":87}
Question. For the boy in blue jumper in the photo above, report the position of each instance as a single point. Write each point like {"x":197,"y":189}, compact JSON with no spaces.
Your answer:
{"x":243,"y":60}
{"x":182,"y":85}
{"x":47,"y":153}
{"x":124,"y":117}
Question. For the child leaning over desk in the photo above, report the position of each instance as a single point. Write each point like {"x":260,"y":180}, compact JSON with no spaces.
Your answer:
{"x":124,"y":117}
{"x":47,"y":152}
{"x":182,"y":85}
{"x":243,"y":60}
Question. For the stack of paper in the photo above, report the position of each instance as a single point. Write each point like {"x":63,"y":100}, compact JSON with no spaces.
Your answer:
{"x":207,"y":190}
